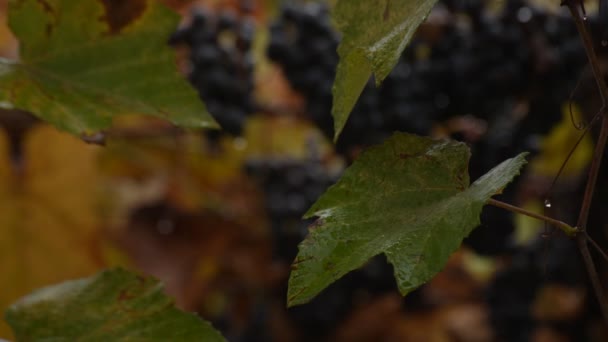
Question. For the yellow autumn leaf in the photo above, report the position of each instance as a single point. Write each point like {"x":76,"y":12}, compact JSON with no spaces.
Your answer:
{"x":48,"y":220}
{"x":558,"y":143}
{"x":284,"y":136}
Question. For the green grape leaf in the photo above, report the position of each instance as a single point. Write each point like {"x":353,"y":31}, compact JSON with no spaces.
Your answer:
{"x":374,"y":34}
{"x":408,"y":198}
{"x":77,"y":75}
{"x":114,"y":305}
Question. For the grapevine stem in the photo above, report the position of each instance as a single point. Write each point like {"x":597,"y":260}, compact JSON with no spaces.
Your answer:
{"x":581,"y":238}
{"x":566,"y":228}
{"x":581,"y":241}
{"x":589,"y":49}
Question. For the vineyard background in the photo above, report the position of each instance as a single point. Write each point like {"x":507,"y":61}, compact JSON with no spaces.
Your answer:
{"x":216,"y":215}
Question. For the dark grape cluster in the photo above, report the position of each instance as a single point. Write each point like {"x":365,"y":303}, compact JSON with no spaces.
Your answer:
{"x":221,"y":64}
{"x":480,"y":63}
{"x":290,"y":188}
{"x":304,"y":43}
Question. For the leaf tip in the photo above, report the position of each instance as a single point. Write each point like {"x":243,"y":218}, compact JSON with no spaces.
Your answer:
{"x":336,"y":136}
{"x":295,"y":299}
{"x":523,"y":155}
{"x":213,"y":125}
{"x":521,"y":159}
{"x":338,"y":124}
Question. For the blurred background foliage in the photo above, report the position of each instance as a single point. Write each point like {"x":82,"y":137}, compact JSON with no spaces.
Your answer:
{"x":216,"y":215}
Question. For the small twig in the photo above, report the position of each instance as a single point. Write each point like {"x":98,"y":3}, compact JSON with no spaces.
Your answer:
{"x":570,"y":102}
{"x":566,"y":228}
{"x":597,"y":247}
{"x":587,"y":128}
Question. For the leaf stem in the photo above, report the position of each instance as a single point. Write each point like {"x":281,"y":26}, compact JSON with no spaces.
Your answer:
{"x":566,"y":228}
{"x":582,"y":238}
{"x":593,"y":173}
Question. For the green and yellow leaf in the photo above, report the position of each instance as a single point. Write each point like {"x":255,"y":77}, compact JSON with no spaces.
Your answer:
{"x":77,"y":75}
{"x":114,"y":305}
{"x":49,"y":225}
